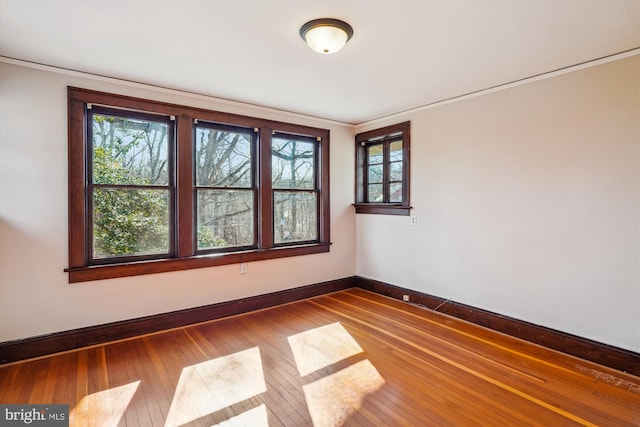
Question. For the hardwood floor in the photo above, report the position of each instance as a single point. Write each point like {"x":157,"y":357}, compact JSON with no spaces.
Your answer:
{"x":347,"y":358}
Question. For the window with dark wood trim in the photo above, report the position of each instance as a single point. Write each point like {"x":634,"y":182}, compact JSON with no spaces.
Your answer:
{"x":295,"y":189}
{"x":226,"y":189}
{"x":157,"y":187}
{"x":130,"y":186}
{"x":382,"y":170}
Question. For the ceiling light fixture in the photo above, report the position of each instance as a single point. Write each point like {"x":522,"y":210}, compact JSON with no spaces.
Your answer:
{"x":326,"y":35}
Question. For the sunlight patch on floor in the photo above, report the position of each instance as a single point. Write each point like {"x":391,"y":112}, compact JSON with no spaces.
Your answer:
{"x":320,"y":347}
{"x":228,"y":382}
{"x":216,"y":384}
{"x":256,"y":417}
{"x":104,"y":408}
{"x":335,"y":397}
{"x":332,"y":399}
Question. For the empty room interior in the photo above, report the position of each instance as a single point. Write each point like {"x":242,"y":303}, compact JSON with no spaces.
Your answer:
{"x":323,"y":213}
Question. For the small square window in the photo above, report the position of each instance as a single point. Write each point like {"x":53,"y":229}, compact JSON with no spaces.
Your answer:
{"x":382,"y":174}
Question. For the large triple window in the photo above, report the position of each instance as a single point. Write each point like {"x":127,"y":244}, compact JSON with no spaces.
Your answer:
{"x":159,"y":187}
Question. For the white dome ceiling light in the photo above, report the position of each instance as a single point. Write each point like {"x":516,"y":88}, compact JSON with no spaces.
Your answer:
{"x":326,"y":35}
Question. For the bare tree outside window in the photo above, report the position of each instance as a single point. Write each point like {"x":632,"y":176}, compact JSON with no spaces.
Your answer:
{"x":225,"y":189}
{"x":295,"y":200}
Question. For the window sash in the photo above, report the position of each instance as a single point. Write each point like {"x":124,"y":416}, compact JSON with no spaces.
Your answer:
{"x":250,"y":187}
{"x":384,"y":181}
{"x":285,"y":229}
{"x":285,"y":226}
{"x":93,"y":188}
{"x":224,"y":244}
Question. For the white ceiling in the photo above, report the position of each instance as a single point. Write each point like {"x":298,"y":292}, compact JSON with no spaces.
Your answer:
{"x":403,"y":55}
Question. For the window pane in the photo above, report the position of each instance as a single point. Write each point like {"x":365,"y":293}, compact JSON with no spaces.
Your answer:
{"x":375,"y":174}
{"x":374,"y":193}
{"x":225,"y":218}
{"x":396,"y":171}
{"x":223,"y":158}
{"x":295,"y":216}
{"x":395,"y":151}
{"x":129,"y":151}
{"x":395,"y":192}
{"x":375,"y":154}
{"x":129,"y":222}
{"x":292,"y":163}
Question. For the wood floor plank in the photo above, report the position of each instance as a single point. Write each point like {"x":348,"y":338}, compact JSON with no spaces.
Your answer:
{"x":348,"y":358}
{"x":16,"y":388}
{"x":39,"y":382}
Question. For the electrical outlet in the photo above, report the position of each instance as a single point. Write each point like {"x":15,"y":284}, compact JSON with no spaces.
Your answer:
{"x":405,"y":297}
{"x":243,"y":267}
{"x":413,"y":220}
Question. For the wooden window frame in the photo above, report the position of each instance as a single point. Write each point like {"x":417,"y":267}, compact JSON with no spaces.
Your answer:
{"x":184,"y":257}
{"x":385,"y":136}
{"x":254,"y":188}
{"x":91,"y":186}
{"x":315,"y":190}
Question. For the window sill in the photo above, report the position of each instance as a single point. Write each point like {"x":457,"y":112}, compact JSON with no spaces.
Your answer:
{"x":382,"y":209}
{"x":111,"y":271}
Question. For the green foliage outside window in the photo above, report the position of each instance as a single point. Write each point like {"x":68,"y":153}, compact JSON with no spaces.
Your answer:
{"x":130,"y":217}
{"x":127,"y":221}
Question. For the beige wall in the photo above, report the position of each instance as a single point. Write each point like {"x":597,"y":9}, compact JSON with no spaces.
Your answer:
{"x":528,"y":204}
{"x":35,"y":297}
